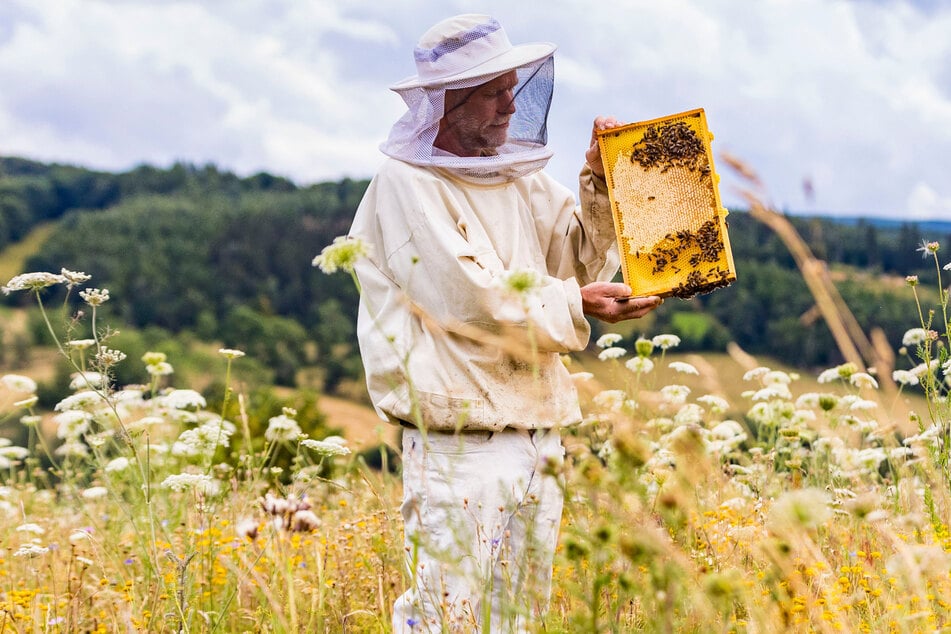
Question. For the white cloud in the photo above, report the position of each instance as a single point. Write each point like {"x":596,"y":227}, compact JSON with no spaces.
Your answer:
{"x":925,"y":202}
{"x":854,"y":95}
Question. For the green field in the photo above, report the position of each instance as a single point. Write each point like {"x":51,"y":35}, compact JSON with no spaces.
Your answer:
{"x":14,"y":257}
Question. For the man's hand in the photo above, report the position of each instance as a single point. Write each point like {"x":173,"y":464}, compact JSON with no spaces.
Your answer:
{"x":612,"y":302}
{"x":593,"y":153}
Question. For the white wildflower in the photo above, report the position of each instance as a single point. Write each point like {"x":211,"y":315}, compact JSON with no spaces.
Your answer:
{"x":94,"y":493}
{"x":863,"y":379}
{"x":14,"y":452}
{"x":776,"y":377}
{"x":32,"y":282}
{"x":756,"y":373}
{"x":725,"y":437}
{"x":802,"y":417}
{"x":689,"y":414}
{"x":828,"y":443}
{"x":774,"y":391}
{"x":81,"y":344}
{"x":639,"y":365}
{"x":108,"y":356}
{"x":180,"y":417}
{"x":207,"y":437}
{"x":947,"y":267}
{"x":281,"y":429}
{"x":914,"y":337}
{"x":665,"y":342}
{"x":930,"y":436}
{"x":183,"y":399}
{"x":99,"y":440}
{"x":29,"y":527}
{"x":117,"y":465}
{"x":905,"y":377}
{"x":661,"y":425}
{"x":198,"y":481}
{"x":163,"y":368}
{"x":611,"y":353}
{"x":854,"y":462}
{"x":802,"y":508}
{"x":830,"y":375}
{"x":87,"y":380}
{"x":149,"y":421}
{"x":685,"y":368}
{"x":95,"y":296}
{"x":660,"y":460}
{"x":675,"y":394}
{"x":79,"y":400}
{"x":72,"y":424}
{"x":342,"y":254}
{"x":862,"y":404}
{"x":611,"y":400}
{"x":31,"y":550}
{"x":716,"y":404}
{"x":79,"y":535}
{"x":582,"y":376}
{"x":129,"y":394}
{"x":72,"y":448}
{"x":326,"y":447}
{"x":230,"y":353}
{"x":74,"y":278}
{"x":18,"y":383}
{"x":923,"y":369}
{"x":608,"y":339}
{"x":775,"y":412}
{"x":728,"y":429}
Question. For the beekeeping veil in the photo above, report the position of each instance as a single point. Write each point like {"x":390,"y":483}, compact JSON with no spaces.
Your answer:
{"x":464,"y":52}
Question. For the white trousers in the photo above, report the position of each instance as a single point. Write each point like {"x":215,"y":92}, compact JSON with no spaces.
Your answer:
{"x":481,"y":515}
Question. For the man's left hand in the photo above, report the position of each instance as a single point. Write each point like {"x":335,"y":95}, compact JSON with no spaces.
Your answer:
{"x":593,"y":154}
{"x":612,"y":302}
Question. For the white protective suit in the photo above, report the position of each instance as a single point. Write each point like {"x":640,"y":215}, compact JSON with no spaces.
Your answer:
{"x":439,"y":247}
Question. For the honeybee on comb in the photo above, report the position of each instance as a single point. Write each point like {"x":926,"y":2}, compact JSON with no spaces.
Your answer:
{"x":670,"y":224}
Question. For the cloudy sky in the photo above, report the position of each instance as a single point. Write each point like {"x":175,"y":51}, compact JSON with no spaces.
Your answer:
{"x":852,"y":97}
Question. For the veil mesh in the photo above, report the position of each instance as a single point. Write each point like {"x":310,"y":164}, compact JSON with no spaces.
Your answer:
{"x":525,"y":150}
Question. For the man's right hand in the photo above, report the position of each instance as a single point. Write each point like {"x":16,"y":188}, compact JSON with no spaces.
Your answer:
{"x":612,"y":302}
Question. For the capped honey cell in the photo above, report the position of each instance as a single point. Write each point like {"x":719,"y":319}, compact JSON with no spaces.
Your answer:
{"x":671,"y":227}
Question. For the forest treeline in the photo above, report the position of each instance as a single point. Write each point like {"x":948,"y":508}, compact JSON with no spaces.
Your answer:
{"x":199,"y":250}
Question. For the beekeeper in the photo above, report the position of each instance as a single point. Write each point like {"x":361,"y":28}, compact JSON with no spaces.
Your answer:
{"x":480,"y":272}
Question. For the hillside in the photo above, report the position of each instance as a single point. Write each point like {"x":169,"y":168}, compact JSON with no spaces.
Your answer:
{"x":192,"y":251}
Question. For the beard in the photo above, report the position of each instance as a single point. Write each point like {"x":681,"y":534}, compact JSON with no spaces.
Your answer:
{"x":478,"y":137}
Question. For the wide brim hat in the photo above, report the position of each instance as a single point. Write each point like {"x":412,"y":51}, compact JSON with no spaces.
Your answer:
{"x":468,"y":47}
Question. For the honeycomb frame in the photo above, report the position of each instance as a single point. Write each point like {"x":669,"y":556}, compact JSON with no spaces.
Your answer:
{"x":670,"y":224}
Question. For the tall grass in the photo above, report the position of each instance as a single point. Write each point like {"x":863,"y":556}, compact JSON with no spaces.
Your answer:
{"x":139,"y":509}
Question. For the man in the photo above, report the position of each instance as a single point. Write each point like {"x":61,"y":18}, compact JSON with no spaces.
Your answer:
{"x":480,"y":274}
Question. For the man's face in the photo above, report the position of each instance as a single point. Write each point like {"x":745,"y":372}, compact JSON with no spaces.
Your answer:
{"x":477,"y":119}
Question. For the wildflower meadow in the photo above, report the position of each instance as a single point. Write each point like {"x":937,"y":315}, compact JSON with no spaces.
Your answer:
{"x":141,"y":508}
